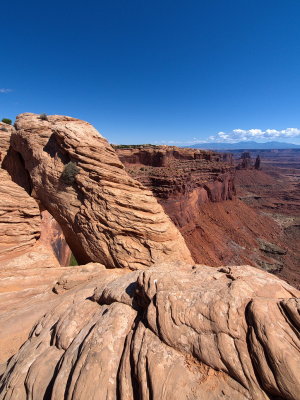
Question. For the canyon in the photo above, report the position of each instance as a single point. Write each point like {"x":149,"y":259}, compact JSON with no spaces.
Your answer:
{"x":163,"y":301}
{"x":203,"y":192}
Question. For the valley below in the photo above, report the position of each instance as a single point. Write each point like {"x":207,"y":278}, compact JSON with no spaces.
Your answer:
{"x":228,"y":215}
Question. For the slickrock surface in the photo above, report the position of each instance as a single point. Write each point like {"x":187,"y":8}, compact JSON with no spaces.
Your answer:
{"x":106,"y":215}
{"x":198,"y":333}
{"x":20,"y":222}
{"x":29,"y":290}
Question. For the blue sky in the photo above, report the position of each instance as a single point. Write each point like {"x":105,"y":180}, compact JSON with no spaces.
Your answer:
{"x":156,"y":71}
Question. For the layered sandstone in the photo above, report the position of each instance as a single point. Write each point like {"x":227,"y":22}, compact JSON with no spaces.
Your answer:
{"x":274,"y":191}
{"x":20,"y":222}
{"x":29,"y":287}
{"x":52,"y":236}
{"x":106,"y":216}
{"x":162,"y":156}
{"x":198,"y":333}
{"x":171,"y":171}
{"x":197,"y":190}
{"x":26,"y":235}
{"x":5,"y":133}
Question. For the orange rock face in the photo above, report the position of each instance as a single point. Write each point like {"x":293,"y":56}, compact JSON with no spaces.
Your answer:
{"x":52,"y":236}
{"x":20,"y":222}
{"x":198,"y":333}
{"x":5,"y":134}
{"x":106,"y":216}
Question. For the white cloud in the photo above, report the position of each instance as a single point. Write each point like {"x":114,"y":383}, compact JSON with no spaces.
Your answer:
{"x":240,"y":135}
{"x":3,"y":90}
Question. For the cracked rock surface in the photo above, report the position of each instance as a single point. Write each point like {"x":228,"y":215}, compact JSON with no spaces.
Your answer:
{"x":198,"y":333}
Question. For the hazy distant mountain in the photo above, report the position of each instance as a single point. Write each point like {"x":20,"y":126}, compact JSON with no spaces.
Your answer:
{"x":245,"y":146}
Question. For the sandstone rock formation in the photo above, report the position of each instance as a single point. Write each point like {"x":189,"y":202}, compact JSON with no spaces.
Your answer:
{"x":197,"y":190}
{"x":257,"y":162}
{"x":274,"y":191}
{"x":106,"y":216}
{"x":19,"y":218}
{"x":29,"y":285}
{"x":170,"y":171}
{"x":246,"y":161}
{"x":52,"y":236}
{"x":163,"y":156}
{"x":25,"y":237}
{"x":198,"y":333}
{"x":5,"y":133}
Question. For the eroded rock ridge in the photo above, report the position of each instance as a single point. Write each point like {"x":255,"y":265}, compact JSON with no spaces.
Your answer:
{"x":106,"y":215}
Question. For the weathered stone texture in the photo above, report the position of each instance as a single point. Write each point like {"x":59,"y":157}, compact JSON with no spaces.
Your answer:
{"x":106,"y":215}
{"x":200,"y":332}
{"x":20,"y":221}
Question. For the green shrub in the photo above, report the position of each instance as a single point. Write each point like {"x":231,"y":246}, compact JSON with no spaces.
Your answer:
{"x":69,"y":173}
{"x":7,"y":121}
{"x":2,"y":128}
{"x":73,"y":261}
{"x":43,"y":117}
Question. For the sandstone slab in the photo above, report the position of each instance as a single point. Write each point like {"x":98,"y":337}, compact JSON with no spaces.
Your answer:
{"x":198,"y":333}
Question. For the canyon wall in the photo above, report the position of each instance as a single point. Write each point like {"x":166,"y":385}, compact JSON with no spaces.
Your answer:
{"x":197,"y":190}
{"x":170,"y":171}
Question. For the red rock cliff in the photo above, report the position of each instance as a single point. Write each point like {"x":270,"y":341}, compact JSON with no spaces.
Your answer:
{"x":196,"y":189}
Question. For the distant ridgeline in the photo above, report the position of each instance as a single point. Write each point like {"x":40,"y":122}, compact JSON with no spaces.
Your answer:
{"x":132,"y":146}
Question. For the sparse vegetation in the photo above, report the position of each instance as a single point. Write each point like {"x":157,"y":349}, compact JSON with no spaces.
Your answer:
{"x":7,"y":121}
{"x":3,"y":129}
{"x":43,"y":117}
{"x":69,"y":173}
{"x":73,"y":261}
